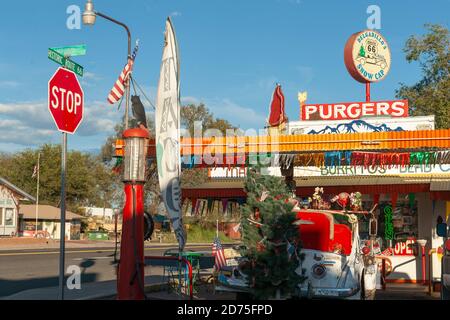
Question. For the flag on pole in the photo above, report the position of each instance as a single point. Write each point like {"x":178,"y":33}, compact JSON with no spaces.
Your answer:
{"x":219,"y":254}
{"x":118,"y":89}
{"x":35,"y":171}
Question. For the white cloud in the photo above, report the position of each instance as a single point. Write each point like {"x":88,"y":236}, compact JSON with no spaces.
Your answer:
{"x":175,"y":14}
{"x":9,"y":84}
{"x":306,"y":74}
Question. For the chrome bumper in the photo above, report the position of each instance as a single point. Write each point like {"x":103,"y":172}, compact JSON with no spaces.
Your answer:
{"x":338,"y":293}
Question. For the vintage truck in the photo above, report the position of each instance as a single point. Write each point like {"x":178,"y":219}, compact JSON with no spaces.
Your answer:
{"x":336,"y":262}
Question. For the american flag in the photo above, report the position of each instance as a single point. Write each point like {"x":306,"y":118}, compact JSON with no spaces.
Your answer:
{"x":217,"y":251}
{"x":118,"y":89}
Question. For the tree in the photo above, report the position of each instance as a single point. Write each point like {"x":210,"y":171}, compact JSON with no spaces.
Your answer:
{"x":362,"y":53}
{"x":192,"y":113}
{"x":432,"y":93}
{"x":272,"y":243}
{"x":88,"y":180}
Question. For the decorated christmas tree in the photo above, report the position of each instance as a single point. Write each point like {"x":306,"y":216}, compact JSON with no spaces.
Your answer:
{"x":271,"y":238}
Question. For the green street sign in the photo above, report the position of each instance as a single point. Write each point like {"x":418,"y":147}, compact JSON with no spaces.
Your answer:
{"x":71,"y":51}
{"x":65,"y":62}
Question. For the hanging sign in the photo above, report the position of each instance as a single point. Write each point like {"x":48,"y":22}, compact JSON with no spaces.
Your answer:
{"x":355,"y":110}
{"x":367,"y":56}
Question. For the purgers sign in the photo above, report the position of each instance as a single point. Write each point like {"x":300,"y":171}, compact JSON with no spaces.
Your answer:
{"x":355,"y":110}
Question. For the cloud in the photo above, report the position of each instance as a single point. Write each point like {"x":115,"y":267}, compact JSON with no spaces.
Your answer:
{"x":175,"y":14}
{"x":30,"y":123}
{"x":9,"y":84}
{"x":89,"y":78}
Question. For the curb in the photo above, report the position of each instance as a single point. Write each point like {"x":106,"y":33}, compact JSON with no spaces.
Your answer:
{"x":147,"y":289}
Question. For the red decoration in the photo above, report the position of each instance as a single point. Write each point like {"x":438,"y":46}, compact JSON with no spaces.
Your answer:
{"x":343,"y":199}
{"x":384,"y":160}
{"x":277,"y":115}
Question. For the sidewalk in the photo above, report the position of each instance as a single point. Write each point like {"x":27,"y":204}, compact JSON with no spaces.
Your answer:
{"x":88,"y":291}
{"x":406,"y":291}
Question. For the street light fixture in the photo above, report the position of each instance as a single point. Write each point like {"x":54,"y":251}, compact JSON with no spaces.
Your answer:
{"x":89,"y":17}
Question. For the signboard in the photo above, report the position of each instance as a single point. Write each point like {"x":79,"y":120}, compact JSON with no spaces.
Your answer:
{"x":367,"y":56}
{"x":65,"y":62}
{"x":71,"y":51}
{"x":404,"y":248}
{"x":355,"y":110}
{"x":65,"y":100}
{"x":378,"y":124}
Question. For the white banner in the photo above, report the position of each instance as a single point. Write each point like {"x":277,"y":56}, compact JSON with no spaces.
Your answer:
{"x":167,"y":124}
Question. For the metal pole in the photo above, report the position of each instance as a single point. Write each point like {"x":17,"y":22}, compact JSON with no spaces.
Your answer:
{"x":127,"y":84}
{"x":367,"y":91}
{"x":37,"y":195}
{"x":63,"y":216}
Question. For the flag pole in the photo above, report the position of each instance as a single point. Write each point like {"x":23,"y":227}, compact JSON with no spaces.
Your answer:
{"x":217,"y":228}
{"x":37,"y":195}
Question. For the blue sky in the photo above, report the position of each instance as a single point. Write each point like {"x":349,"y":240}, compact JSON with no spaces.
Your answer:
{"x":232,"y":55}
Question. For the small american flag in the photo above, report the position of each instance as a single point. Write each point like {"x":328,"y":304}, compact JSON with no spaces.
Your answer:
{"x":35,"y":171}
{"x":217,"y":251}
{"x":118,"y":89}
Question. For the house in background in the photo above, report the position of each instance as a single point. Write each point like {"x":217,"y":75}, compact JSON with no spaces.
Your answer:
{"x":10,"y":199}
{"x":106,"y":213}
{"x":49,"y":220}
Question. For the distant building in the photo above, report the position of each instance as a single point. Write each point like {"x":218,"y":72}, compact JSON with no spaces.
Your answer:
{"x":106,"y":213}
{"x":49,"y":222}
{"x":10,"y":198}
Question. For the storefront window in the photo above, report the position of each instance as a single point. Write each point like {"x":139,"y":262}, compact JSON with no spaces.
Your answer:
{"x":9,"y":217}
{"x":394,"y":226}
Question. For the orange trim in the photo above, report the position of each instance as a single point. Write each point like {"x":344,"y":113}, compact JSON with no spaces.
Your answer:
{"x":402,"y":140}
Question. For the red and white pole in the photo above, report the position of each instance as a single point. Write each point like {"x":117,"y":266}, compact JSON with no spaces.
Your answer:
{"x":130,"y":278}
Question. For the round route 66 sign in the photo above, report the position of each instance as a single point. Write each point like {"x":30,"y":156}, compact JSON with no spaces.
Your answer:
{"x":367,"y":56}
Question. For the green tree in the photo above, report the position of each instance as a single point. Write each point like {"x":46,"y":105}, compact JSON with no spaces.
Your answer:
{"x":271,"y":240}
{"x":88,"y":180}
{"x":362,"y":53}
{"x":192,"y":113}
{"x":431,"y":95}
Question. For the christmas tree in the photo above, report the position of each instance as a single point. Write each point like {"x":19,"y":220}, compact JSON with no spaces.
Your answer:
{"x":272,"y":243}
{"x":362,"y":53}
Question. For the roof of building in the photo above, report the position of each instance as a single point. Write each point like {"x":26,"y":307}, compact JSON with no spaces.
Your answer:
{"x":46,"y":212}
{"x":17,"y":190}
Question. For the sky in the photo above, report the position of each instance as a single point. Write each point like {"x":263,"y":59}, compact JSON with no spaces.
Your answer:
{"x":232,"y":55}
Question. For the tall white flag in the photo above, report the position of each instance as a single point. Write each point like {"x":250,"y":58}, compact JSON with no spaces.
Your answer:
{"x":168,"y":132}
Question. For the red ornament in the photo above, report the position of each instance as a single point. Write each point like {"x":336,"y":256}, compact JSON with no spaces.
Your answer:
{"x":343,"y":199}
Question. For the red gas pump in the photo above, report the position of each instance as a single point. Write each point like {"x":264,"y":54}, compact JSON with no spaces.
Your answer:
{"x":130,"y":278}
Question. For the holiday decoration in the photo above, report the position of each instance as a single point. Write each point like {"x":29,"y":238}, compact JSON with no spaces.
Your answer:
{"x":271,"y":241}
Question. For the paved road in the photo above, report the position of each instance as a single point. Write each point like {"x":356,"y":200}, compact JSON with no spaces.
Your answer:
{"x":28,"y":269}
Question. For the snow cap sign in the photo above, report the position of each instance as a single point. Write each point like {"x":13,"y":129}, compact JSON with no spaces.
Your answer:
{"x":367,"y":56}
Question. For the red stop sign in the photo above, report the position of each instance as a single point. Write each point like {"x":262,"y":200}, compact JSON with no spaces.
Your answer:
{"x":65,"y":100}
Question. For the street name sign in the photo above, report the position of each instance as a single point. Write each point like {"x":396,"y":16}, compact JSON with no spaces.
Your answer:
{"x":65,"y":62}
{"x":65,"y":100}
{"x":71,"y":51}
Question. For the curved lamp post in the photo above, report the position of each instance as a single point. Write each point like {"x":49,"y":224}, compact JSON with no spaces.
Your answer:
{"x":89,"y":17}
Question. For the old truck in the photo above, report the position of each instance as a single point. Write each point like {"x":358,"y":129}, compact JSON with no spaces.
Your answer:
{"x":337,"y":264}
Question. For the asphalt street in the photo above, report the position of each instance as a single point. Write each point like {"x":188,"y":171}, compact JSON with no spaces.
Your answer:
{"x":28,"y":269}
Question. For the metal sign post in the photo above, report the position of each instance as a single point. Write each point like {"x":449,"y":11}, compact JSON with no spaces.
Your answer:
{"x":65,"y":103}
{"x":62,"y":247}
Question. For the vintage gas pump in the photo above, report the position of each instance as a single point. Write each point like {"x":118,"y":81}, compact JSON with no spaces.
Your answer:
{"x":130,"y":279}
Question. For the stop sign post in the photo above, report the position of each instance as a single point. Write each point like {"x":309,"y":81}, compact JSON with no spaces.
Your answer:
{"x":65,"y":103}
{"x":65,"y":100}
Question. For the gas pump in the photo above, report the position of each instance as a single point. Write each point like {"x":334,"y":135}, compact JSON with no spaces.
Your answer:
{"x":130,"y":278}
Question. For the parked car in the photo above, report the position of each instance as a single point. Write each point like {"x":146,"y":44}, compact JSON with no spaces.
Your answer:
{"x":336,"y":263}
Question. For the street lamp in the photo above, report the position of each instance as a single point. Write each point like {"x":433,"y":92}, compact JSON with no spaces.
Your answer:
{"x":89,"y":17}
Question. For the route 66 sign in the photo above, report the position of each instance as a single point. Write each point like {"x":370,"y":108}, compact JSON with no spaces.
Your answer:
{"x":367,"y":56}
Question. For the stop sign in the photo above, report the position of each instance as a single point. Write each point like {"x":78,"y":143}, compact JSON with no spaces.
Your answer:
{"x":65,"y":100}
